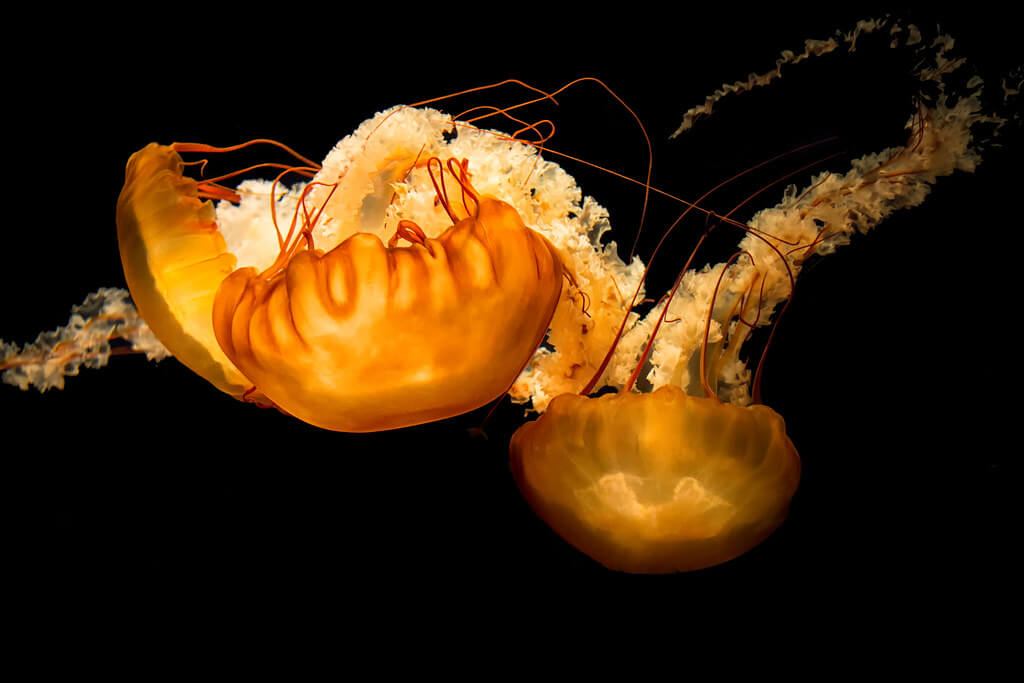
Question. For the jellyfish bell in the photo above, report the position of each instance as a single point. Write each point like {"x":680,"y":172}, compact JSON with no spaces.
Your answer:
{"x":657,"y":482}
{"x":174,"y":260}
{"x":369,"y":337}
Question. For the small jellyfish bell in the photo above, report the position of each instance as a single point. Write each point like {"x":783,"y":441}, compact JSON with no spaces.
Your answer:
{"x":657,"y":482}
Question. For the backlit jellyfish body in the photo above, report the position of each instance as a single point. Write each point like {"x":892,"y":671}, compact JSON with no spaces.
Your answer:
{"x":411,"y":279}
{"x":689,"y":473}
{"x":657,"y":482}
{"x":327,"y":322}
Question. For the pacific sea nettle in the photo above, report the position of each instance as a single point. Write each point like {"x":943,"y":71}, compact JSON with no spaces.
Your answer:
{"x":663,"y":481}
{"x":322,"y":318}
{"x":689,"y":471}
{"x":657,"y":482}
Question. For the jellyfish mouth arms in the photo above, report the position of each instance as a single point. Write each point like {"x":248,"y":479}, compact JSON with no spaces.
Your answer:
{"x":368,"y":337}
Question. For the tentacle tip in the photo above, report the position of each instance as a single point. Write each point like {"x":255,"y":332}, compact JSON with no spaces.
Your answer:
{"x":477,"y":434}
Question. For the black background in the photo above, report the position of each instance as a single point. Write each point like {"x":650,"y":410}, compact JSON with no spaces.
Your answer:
{"x":895,"y":367}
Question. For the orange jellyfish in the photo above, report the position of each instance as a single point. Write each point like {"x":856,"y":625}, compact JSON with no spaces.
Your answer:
{"x":328,"y":323}
{"x":289,"y":296}
{"x":661,"y":481}
{"x":360,"y":337}
{"x":692,"y":471}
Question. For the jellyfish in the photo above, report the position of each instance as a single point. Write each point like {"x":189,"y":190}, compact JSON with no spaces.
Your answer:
{"x":146,"y":414}
{"x":324,"y":321}
{"x":295,"y":326}
{"x":694,"y":471}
